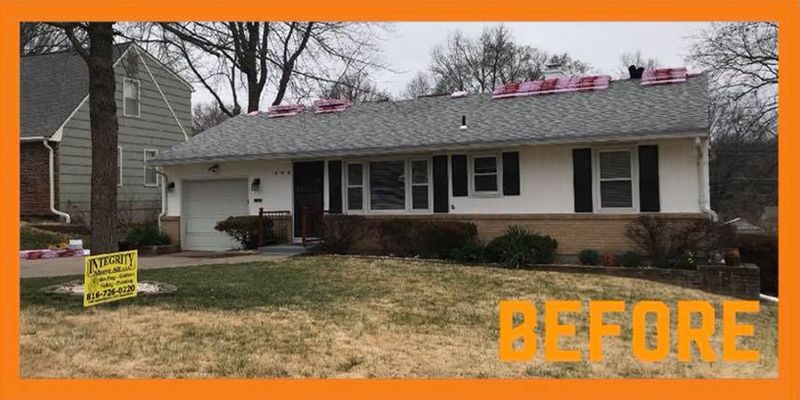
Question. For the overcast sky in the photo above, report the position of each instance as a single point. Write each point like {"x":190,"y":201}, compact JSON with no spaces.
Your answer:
{"x":408,"y":45}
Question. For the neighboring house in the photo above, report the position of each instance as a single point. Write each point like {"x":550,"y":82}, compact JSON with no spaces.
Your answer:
{"x":154,"y":113}
{"x":576,"y":164}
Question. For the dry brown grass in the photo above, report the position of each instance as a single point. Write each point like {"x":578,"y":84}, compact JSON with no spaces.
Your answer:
{"x":344,"y":317}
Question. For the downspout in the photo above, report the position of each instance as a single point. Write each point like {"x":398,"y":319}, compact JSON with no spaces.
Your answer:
{"x":163,"y":197}
{"x":702,"y":178}
{"x":53,"y":209}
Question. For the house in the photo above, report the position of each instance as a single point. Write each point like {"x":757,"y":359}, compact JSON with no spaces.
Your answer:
{"x":575,"y":158}
{"x":154,"y":113}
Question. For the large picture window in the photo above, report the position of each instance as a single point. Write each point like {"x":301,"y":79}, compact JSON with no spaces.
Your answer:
{"x":355,"y":186}
{"x":387,"y":187}
{"x":420,"y":185}
{"x":616,"y":179}
{"x":484,"y":174}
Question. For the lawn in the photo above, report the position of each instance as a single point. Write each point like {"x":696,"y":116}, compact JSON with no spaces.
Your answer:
{"x":342,"y":317}
{"x":34,"y":239}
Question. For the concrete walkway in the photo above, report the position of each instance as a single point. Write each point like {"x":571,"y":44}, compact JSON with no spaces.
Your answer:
{"x":74,"y":265}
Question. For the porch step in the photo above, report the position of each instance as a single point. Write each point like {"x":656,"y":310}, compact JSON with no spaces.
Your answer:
{"x":286,"y":249}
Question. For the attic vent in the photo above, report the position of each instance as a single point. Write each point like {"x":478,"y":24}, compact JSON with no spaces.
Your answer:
{"x":287,"y":110}
{"x":664,"y":75}
{"x":554,"y":85}
{"x":322,"y":106}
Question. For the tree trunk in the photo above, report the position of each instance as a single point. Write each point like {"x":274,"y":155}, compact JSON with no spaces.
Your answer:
{"x":103,"y":116}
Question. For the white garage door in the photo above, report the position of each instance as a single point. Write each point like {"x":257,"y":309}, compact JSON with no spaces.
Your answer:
{"x":207,"y":202}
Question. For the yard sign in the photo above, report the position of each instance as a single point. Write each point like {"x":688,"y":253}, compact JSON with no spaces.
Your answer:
{"x":110,"y":277}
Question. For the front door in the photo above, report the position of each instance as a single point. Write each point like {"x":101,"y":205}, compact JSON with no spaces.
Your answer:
{"x":308,"y":192}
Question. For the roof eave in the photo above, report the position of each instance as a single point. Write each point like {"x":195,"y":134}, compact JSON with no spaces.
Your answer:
{"x":437,"y":147}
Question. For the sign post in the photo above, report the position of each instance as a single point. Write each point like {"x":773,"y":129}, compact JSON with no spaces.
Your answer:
{"x":110,"y":277}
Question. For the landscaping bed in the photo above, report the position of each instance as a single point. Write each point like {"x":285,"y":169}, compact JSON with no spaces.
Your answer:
{"x":345,"y":317}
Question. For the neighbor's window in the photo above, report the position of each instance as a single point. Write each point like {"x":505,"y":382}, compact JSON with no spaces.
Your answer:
{"x":484,"y":174}
{"x":355,"y":186}
{"x":130,"y":97}
{"x":150,"y":174}
{"x":119,"y":165}
{"x":616,"y":180}
{"x":387,"y":187}
{"x":420,"y":186}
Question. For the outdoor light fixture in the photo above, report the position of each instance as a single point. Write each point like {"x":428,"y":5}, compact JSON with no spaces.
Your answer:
{"x":256,"y":186}
{"x":213,"y":169}
{"x":171,"y":187}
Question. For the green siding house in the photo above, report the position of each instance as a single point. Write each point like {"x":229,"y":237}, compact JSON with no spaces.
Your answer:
{"x":154,"y":113}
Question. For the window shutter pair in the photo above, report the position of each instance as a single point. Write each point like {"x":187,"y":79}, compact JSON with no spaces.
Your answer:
{"x":510,"y":171}
{"x":649,"y":196}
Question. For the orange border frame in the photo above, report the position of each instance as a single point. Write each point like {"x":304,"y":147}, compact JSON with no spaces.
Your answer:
{"x":785,"y":12}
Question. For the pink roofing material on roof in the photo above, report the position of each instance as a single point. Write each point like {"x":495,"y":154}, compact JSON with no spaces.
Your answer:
{"x":322,"y":106}
{"x":554,"y":85}
{"x":664,"y":75}
{"x":284,"y":110}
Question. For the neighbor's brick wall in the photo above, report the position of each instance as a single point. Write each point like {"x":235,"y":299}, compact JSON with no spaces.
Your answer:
{"x":172,"y":227}
{"x":34,"y":179}
{"x":574,"y":232}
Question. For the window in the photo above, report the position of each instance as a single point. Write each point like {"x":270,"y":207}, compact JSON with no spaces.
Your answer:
{"x":420,"y":185}
{"x":151,"y":177}
{"x":616,"y":179}
{"x":130,"y":97}
{"x":484,"y":174}
{"x":119,"y":165}
{"x":387,"y":187}
{"x":355,"y":186}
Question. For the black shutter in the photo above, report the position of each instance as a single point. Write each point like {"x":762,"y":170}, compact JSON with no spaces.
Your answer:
{"x":460,"y":178}
{"x":511,"y":173}
{"x":335,"y":187}
{"x":649,"y":199}
{"x":582,"y":179}
{"x":440,"y":186}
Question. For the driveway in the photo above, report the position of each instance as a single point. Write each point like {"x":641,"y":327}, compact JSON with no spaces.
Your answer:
{"x":74,"y":265}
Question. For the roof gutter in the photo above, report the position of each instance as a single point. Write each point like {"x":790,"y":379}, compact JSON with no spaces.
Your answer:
{"x":436,"y":147}
{"x":53,"y":209}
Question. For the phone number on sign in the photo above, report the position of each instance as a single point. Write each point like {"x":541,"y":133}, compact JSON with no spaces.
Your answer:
{"x":118,"y":291}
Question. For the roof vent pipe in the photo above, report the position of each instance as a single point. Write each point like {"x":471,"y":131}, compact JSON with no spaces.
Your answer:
{"x":463,"y":122}
{"x":553,"y":71}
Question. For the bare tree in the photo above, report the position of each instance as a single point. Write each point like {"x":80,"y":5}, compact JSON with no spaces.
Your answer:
{"x":741,"y":60}
{"x":42,"y":38}
{"x":357,"y":87}
{"x":420,"y":85}
{"x":253,"y":59}
{"x":98,"y":52}
{"x":479,"y":65}
{"x":637,"y":59}
{"x":206,"y":115}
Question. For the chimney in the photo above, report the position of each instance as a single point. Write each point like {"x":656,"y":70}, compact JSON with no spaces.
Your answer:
{"x":553,"y":70}
{"x":635,"y":73}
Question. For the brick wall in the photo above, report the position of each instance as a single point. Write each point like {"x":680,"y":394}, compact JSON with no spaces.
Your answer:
{"x":172,"y":227}
{"x":574,"y":232}
{"x":34,"y":182}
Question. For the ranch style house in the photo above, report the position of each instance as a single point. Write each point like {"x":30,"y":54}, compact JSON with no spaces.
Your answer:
{"x":577,"y":158}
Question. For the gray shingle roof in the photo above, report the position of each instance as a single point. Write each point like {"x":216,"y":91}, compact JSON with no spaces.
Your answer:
{"x":625,"y":109}
{"x":51,"y":87}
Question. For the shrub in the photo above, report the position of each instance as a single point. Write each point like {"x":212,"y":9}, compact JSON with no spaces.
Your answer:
{"x":471,"y":251}
{"x":520,"y":247}
{"x":676,"y":244}
{"x":145,"y":235}
{"x":629,"y":259}
{"x":243,"y":229}
{"x":762,"y":250}
{"x":589,"y":257}
{"x":430,"y":239}
{"x":340,"y":232}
